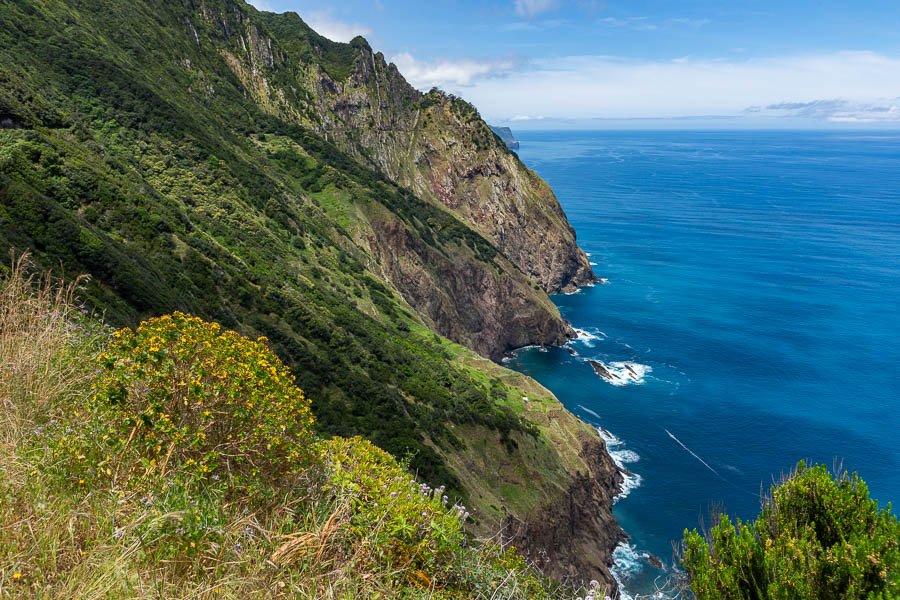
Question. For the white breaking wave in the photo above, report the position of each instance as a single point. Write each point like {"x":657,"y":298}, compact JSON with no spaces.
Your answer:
{"x":627,"y":563}
{"x":593,"y":264}
{"x":621,"y":456}
{"x":622,"y":373}
{"x":587,"y":338}
{"x":628,"y":456}
{"x":630,"y":482}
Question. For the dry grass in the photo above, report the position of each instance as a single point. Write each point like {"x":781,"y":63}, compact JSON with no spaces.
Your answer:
{"x":38,"y":332}
{"x":69,"y":542}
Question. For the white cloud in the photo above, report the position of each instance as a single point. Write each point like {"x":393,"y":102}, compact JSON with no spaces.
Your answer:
{"x":324,"y":23}
{"x":526,"y":118}
{"x":835,"y":111}
{"x":530,"y":8}
{"x":608,"y":87}
{"x":449,"y":74}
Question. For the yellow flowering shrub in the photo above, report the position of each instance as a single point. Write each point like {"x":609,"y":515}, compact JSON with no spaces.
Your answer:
{"x":190,"y":396}
{"x":397,"y":524}
{"x":411,"y":523}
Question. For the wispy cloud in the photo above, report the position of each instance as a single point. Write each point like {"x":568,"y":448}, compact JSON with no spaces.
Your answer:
{"x":532,"y":25}
{"x":651,"y":24}
{"x":602,"y":86}
{"x":531,"y":8}
{"x":834,"y":110}
{"x":324,"y":23}
{"x":450,"y":74}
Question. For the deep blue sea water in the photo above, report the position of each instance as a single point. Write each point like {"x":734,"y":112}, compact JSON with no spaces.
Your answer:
{"x":756,"y":275}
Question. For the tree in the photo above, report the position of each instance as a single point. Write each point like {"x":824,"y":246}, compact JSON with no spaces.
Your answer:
{"x":817,"y":536}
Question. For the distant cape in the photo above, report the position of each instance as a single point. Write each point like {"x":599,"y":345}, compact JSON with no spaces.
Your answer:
{"x":506,"y":135}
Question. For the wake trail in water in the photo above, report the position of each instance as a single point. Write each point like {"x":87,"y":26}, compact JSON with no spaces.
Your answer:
{"x":691,"y":452}
{"x":705,"y":464}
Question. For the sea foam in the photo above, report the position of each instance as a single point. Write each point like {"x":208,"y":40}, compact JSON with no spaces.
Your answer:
{"x":621,"y":373}
{"x":588,"y":338}
{"x":622,"y":456}
{"x":628,"y":563}
{"x":588,"y":411}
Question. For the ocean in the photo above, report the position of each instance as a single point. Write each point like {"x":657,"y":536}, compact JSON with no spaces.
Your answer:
{"x":751,"y":316}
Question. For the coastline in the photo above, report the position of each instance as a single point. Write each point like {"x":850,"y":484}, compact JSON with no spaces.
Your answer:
{"x":607,"y":480}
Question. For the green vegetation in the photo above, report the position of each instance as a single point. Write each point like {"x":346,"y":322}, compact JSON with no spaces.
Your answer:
{"x":178,"y":460}
{"x":818,"y":536}
{"x":123,"y":170}
{"x":183,"y":156}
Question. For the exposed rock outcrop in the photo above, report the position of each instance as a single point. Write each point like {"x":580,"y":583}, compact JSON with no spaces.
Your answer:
{"x":572,"y":537}
{"x":438,"y":146}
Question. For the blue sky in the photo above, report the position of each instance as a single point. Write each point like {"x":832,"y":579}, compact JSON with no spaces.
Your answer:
{"x":606,"y":63}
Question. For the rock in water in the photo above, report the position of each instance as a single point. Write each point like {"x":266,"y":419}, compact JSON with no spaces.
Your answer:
{"x":601,"y":370}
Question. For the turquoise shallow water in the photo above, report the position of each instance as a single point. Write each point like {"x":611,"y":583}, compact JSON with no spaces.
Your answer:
{"x":754,"y":286}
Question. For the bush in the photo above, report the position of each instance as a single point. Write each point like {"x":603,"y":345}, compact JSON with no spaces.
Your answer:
{"x":189,"y":396}
{"x":406,"y":522}
{"x":818,"y":536}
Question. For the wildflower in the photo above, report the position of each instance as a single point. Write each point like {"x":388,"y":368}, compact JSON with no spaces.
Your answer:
{"x":17,"y":575}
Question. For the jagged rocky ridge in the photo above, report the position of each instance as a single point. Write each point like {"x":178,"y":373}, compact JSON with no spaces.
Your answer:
{"x":440,"y":148}
{"x":180,"y":154}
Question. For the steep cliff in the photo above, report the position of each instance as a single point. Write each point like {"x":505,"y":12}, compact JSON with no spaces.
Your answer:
{"x":435,"y":144}
{"x":552,"y":498}
{"x":506,"y":134}
{"x":205,"y":157}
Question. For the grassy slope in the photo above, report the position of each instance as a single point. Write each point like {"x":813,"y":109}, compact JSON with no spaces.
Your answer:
{"x":91,"y":511}
{"x":124,"y":171}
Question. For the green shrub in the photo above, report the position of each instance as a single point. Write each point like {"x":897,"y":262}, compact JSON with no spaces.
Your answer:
{"x":818,"y":536}
{"x":187,"y":397}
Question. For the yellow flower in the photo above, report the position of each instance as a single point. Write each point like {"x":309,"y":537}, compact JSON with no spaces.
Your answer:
{"x":17,"y":575}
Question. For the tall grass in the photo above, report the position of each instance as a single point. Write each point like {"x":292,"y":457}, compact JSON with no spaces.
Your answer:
{"x":40,"y":338}
{"x":67,"y":535}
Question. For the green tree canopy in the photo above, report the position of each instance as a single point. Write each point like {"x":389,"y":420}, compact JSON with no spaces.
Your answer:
{"x":818,"y":536}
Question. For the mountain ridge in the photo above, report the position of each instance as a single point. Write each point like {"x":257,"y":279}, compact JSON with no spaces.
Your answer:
{"x":145,"y":155}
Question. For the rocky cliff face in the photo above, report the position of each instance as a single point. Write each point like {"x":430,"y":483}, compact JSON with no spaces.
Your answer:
{"x":570,"y":537}
{"x":437,"y":146}
{"x":552,"y":497}
{"x":180,"y":162}
{"x":487,"y":307}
